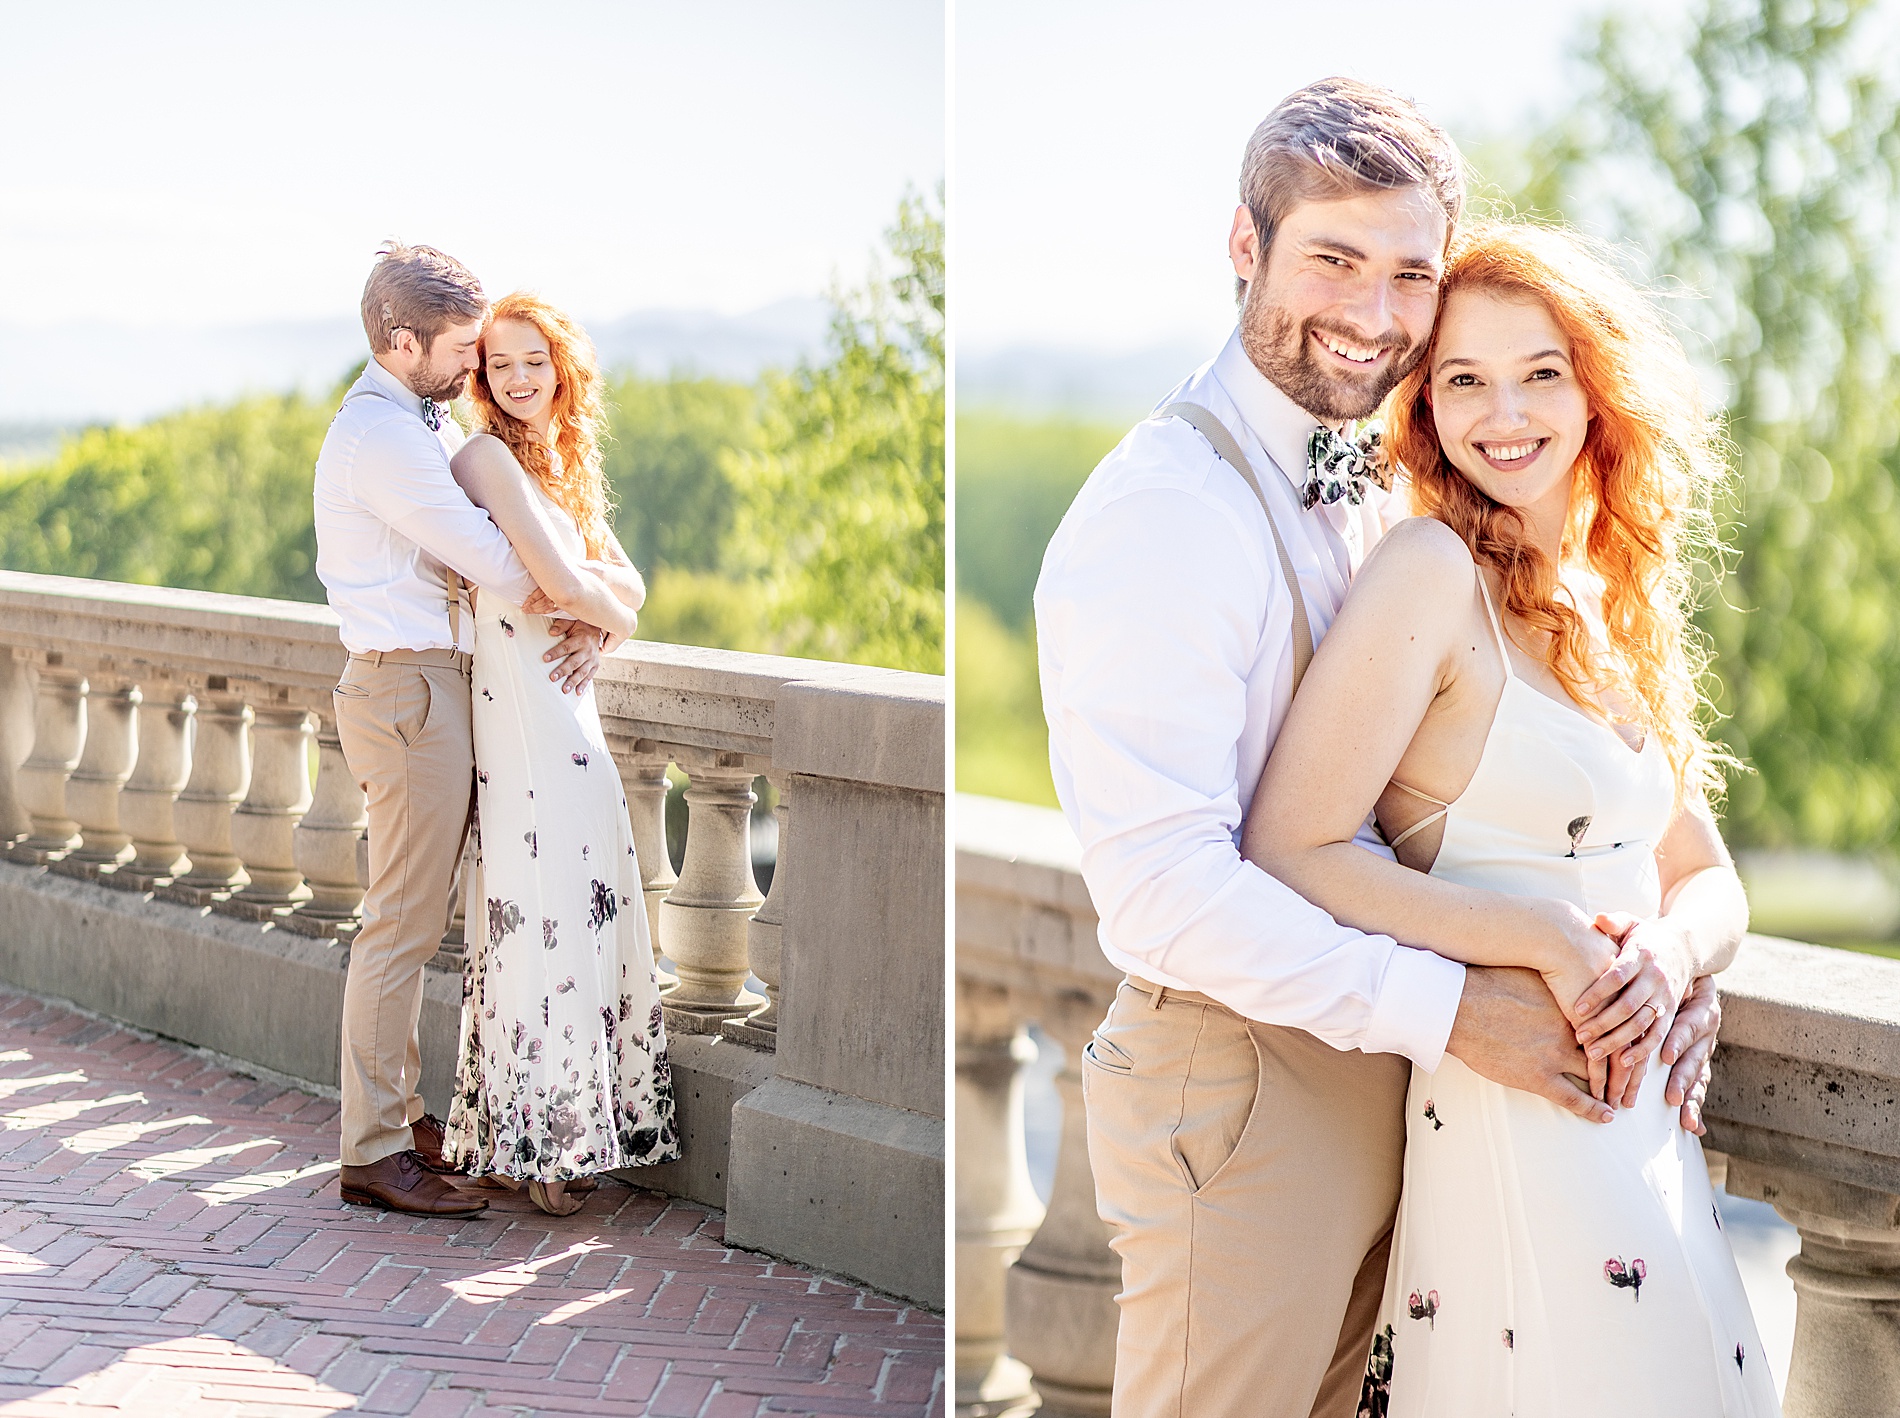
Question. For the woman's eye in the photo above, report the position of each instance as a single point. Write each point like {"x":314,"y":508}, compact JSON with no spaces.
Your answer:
{"x":1546,"y":374}
{"x":1461,"y":381}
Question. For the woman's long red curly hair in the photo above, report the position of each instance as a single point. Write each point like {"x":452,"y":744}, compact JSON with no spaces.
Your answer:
{"x":1650,"y":465}
{"x":578,"y":484}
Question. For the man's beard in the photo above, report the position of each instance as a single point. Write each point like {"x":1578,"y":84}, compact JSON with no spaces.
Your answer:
{"x":1284,"y":353}
{"x":446,"y":389}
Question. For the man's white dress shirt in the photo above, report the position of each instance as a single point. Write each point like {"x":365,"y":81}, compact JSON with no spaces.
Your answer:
{"x":390,"y":517}
{"x":1164,"y":630}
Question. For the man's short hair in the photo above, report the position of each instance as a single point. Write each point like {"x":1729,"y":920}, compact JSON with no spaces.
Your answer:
{"x":419,"y":289}
{"x":1341,"y":138}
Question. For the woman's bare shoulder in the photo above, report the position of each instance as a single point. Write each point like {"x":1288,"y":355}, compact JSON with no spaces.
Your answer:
{"x":1419,"y":557}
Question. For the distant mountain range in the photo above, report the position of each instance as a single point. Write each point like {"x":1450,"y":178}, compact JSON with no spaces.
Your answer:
{"x":63,"y":377}
{"x":1040,"y":381}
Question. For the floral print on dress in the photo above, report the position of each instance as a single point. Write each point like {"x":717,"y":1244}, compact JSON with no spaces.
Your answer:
{"x":1375,"y":1395}
{"x":1423,"y":1307}
{"x":1626,"y":1277}
{"x":562,"y":1071}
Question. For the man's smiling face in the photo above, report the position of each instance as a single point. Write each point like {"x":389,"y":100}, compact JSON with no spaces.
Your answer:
{"x":1342,"y":307}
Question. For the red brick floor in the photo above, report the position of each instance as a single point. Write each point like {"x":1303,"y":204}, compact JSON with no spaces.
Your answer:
{"x":171,"y":1242}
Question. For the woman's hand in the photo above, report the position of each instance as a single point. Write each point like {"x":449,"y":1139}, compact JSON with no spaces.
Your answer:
{"x":1575,"y":953}
{"x":1625,"y":1015}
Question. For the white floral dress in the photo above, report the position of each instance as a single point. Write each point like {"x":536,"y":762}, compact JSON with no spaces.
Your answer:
{"x":1542,"y":1266}
{"x":562,"y":1071}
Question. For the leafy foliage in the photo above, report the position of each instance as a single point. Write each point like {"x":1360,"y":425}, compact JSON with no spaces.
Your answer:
{"x":1755,"y":161}
{"x":841,"y":511}
{"x":666,"y":463}
{"x":1015,"y":479}
{"x":1002,"y":743}
{"x":217,"y":499}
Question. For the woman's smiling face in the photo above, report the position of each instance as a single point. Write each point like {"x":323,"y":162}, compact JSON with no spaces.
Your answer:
{"x":519,"y":369}
{"x":1506,"y":403}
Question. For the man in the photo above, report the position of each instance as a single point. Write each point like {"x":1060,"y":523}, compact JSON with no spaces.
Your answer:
{"x":1248,"y":1162}
{"x":396,"y":538}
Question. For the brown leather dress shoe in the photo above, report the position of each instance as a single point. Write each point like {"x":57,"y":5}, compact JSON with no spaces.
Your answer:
{"x":429,"y":1133}
{"x":402,"y":1183}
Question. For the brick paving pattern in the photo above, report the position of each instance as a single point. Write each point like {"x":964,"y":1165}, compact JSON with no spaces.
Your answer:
{"x":172,"y":1242}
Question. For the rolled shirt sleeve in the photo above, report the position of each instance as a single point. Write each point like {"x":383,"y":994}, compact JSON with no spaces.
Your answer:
{"x":1158,"y":623}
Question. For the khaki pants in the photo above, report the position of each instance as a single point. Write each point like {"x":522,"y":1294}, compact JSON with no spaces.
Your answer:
{"x":1249,"y":1177}
{"x":406,"y":734}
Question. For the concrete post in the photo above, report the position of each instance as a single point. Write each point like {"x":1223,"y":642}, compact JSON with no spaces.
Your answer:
{"x":220,"y":777}
{"x":765,"y":936}
{"x":642,"y":766}
{"x":997,"y":1208}
{"x":92,"y":793}
{"x":19,"y":686}
{"x":1060,"y":1312}
{"x":59,"y":733}
{"x":263,"y":829}
{"x":324,"y":842}
{"x":162,"y":770}
{"x":704,"y":917}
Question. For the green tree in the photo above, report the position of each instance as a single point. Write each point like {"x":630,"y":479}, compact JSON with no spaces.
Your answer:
{"x":666,"y":462}
{"x":841,"y":511}
{"x":1755,"y":162}
{"x":1015,"y":479}
{"x":217,"y":499}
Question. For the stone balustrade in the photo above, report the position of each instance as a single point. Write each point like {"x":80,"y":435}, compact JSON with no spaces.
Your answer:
{"x":184,"y":852}
{"x":1803,"y":1112}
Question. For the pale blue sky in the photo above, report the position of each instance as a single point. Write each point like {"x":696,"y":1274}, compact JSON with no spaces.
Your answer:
{"x":224,"y":161}
{"x":1098,"y":142}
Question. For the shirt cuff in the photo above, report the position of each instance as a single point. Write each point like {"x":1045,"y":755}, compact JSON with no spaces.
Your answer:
{"x":1417,"y":1004}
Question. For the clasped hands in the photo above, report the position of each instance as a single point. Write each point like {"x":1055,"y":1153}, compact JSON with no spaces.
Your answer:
{"x":1647,"y":999}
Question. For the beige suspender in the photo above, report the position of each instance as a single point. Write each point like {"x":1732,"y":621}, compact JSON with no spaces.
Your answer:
{"x":454,"y":582}
{"x":1215,"y":432}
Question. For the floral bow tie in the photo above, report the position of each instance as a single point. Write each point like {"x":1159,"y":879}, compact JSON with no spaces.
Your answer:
{"x":1338,"y":466}
{"x":433,"y":414}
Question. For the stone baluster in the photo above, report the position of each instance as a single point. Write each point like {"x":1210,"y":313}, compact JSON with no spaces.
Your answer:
{"x":160,"y":774}
{"x":765,"y":937}
{"x":92,"y":792}
{"x":1059,"y":1297}
{"x":19,"y":687}
{"x":1846,"y":1360}
{"x":59,"y":734}
{"x":324,"y":843}
{"x":264,"y":827}
{"x":642,"y":765}
{"x":703,"y":920}
{"x":220,"y":777}
{"x":997,"y":1209}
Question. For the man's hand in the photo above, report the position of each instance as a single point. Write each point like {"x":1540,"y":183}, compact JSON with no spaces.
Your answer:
{"x":1687,"y":1050}
{"x":1510,"y":1030}
{"x":576,"y":658}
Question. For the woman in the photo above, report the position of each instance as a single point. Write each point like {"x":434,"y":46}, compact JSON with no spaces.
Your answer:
{"x":563,"y":1070}
{"x":1512,"y":688}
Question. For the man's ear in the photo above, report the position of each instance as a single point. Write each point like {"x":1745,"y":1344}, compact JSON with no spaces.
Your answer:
{"x":1243,"y":243}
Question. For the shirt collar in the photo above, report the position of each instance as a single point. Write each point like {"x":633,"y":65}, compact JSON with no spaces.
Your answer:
{"x":1281,"y":425}
{"x":392,"y":387}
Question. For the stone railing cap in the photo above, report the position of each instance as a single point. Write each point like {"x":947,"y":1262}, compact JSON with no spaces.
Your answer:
{"x":878,"y":726}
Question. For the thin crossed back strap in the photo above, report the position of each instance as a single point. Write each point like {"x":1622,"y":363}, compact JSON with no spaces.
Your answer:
{"x":1497,"y":630}
{"x":1215,"y":432}
{"x":1444,"y":808}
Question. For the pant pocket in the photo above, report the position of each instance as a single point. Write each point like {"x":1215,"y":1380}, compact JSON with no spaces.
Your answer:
{"x":1217,"y":1098}
{"x":1107,"y":1055}
{"x":412,"y":707}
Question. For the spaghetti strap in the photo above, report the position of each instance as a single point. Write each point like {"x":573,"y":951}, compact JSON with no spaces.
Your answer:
{"x":1424,"y":822}
{"x":1497,"y":630}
